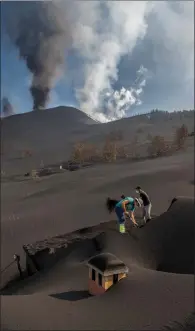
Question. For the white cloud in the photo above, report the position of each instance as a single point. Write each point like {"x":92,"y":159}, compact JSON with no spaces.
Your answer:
{"x":175,"y":35}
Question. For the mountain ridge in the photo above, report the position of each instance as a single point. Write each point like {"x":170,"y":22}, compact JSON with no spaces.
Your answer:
{"x":50,"y":135}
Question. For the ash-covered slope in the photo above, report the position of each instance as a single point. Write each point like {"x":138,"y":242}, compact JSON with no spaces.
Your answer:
{"x":146,"y":300}
{"x":49,"y":135}
{"x":44,"y":123}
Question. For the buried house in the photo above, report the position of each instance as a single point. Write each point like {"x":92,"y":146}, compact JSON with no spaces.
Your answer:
{"x":105,"y":270}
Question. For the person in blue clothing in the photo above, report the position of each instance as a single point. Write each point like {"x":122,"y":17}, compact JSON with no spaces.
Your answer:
{"x":123,"y":208}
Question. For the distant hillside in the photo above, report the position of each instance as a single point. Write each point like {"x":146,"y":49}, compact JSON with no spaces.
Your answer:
{"x":41,"y":130}
{"x":50,"y":134}
{"x":49,"y":117}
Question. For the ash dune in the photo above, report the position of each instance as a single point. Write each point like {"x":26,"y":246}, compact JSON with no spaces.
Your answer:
{"x":159,"y":288}
{"x":148,"y":299}
{"x":32,"y":211}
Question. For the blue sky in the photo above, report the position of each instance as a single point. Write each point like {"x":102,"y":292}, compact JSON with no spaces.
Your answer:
{"x":15,"y":80}
{"x":161,"y":41}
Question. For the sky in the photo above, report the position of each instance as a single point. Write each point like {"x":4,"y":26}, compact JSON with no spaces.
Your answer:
{"x":119,"y":58}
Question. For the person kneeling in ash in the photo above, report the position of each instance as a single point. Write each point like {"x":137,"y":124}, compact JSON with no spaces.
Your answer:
{"x":146,"y":204}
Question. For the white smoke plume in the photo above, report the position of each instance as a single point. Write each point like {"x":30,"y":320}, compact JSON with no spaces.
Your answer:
{"x":118,"y":102}
{"x":104,"y":32}
{"x":102,"y":49}
{"x":101,"y":33}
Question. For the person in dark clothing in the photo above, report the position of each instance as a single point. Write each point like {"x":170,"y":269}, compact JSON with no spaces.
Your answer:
{"x":146,"y":203}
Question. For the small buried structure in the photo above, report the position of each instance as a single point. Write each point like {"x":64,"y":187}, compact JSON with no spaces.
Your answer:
{"x":105,"y":270}
{"x":45,"y":253}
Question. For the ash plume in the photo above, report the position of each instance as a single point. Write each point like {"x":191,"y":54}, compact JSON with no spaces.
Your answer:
{"x":37,"y":29}
{"x":99,"y":36}
{"x":102,"y":48}
{"x":6,"y":107}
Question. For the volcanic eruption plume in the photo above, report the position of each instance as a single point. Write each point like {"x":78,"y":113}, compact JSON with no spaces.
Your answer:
{"x":119,"y":54}
{"x":37,"y":30}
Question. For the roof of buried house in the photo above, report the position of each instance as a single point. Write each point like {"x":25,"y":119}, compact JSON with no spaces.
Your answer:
{"x":107,"y":264}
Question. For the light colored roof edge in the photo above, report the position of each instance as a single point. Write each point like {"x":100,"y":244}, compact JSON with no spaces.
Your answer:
{"x":118,"y":271}
{"x":124,"y":269}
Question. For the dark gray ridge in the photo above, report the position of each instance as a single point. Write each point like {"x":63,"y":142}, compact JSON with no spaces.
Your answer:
{"x":57,"y":242}
{"x":107,"y":264}
{"x":64,"y":240}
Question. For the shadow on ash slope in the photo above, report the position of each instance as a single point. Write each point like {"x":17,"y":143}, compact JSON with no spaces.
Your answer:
{"x":164,"y":244}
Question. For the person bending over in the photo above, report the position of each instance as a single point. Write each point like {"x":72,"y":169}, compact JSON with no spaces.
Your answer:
{"x":146,"y":204}
{"x":122,"y":208}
